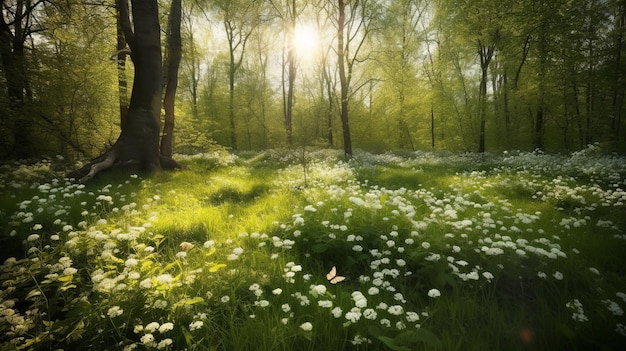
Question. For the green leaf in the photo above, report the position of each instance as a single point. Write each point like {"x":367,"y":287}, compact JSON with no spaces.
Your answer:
{"x":65,"y":278}
{"x":214,"y":268}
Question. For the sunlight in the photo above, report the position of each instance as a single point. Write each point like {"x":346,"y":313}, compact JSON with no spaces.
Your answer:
{"x":306,"y":40}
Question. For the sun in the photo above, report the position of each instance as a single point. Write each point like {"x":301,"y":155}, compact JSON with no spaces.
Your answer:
{"x":305,"y":40}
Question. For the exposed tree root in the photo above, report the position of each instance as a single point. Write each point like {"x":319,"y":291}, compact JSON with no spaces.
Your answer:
{"x":112,"y":160}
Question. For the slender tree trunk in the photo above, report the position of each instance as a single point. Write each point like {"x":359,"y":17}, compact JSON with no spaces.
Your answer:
{"x":344,"y":80}
{"x":432,"y":125}
{"x":539,"y":115}
{"x":291,"y":73}
{"x":122,"y":84}
{"x":619,"y":80}
{"x":174,"y":47}
{"x":485,"y":53}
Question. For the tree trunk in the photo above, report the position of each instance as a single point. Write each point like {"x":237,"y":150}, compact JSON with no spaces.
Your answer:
{"x":122,"y":84}
{"x":174,"y":54}
{"x":138,"y":143}
{"x":485,"y":53}
{"x":347,"y":142}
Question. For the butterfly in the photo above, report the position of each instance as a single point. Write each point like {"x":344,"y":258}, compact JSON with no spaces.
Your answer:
{"x":332,"y":276}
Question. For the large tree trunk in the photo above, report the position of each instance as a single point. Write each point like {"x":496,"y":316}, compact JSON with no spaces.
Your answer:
{"x":138,"y":143}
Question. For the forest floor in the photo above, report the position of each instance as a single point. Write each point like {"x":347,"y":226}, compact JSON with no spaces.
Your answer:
{"x":295,"y":250}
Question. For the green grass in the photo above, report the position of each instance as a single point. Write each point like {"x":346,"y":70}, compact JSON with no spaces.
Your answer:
{"x":234,"y":251}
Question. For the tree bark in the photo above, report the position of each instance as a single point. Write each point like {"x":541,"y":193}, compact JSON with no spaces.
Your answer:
{"x":138,"y":143}
{"x":174,"y":54}
{"x":343,"y":81}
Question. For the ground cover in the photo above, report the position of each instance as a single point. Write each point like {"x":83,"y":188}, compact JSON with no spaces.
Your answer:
{"x":430,"y":251}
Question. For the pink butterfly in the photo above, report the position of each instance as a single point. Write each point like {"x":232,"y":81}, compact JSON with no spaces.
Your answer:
{"x":332,"y":276}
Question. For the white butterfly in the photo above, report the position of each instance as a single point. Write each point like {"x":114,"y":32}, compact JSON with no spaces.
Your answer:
{"x":332,"y":276}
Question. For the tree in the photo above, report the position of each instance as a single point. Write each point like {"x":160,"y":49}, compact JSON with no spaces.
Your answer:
{"x":352,"y":32}
{"x":16,"y":26}
{"x":138,"y":143}
{"x":172,"y":62}
{"x":239,"y":19}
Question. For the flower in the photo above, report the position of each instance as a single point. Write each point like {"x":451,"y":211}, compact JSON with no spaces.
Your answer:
{"x":306,"y":326}
{"x":434,"y":293}
{"x":225,"y":299}
{"x":370,"y":314}
{"x":164,"y":343}
{"x":115,"y":311}
{"x":395,"y":310}
{"x":325,"y":303}
{"x":165,"y":327}
{"x":195,"y":325}
{"x":148,"y":340}
{"x":151,"y":327}
{"x":286,"y":308}
{"x":337,"y":312}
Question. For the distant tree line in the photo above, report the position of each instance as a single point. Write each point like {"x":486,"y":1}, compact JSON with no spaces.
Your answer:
{"x":465,"y":75}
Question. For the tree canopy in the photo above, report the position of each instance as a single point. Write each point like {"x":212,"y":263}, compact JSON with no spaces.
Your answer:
{"x":412,"y":74}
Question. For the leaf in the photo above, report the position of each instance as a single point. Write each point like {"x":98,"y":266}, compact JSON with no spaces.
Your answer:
{"x":188,"y":302}
{"x":65,"y":278}
{"x":66,"y":287}
{"x":214,"y":268}
{"x":33,"y":293}
{"x":212,"y":250}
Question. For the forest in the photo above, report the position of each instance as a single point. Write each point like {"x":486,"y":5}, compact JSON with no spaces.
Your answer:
{"x":350,"y":175}
{"x":376,"y":75}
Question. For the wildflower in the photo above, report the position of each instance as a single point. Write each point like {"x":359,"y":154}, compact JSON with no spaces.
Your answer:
{"x":434,"y":293}
{"x":558,"y":275}
{"x":115,"y":311}
{"x":386,"y":322}
{"x":164,"y":343}
{"x":317,"y":290}
{"x":277,"y":291}
{"x":262,"y":303}
{"x":370,"y":314}
{"x":151,"y":327}
{"x":578,"y":314}
{"x":325,"y":303}
{"x":395,"y":310}
{"x":225,"y":299}
{"x":32,"y":237}
{"x":195,"y":325}
{"x":373,"y":291}
{"x":354,"y":315}
{"x":613,"y":307}
{"x":412,"y":316}
{"x":337,"y":312}
{"x":148,"y":340}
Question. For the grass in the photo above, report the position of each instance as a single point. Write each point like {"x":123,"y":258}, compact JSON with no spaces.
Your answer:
{"x":440,"y":251}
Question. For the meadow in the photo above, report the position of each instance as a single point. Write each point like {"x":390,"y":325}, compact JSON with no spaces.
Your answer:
{"x":300,"y":250}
